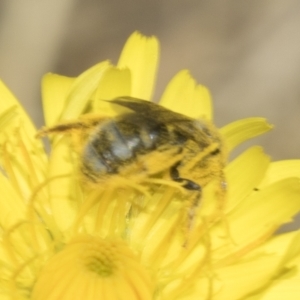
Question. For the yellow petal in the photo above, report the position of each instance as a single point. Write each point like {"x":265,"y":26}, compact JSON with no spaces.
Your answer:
{"x":281,"y":169}
{"x":17,"y":114}
{"x":243,"y":130}
{"x":286,"y":284}
{"x":82,"y":91}
{"x":265,"y":210}
{"x":94,"y":267}
{"x":114,"y":83}
{"x":55,"y":89}
{"x":61,"y":184}
{"x":256,"y":271}
{"x":185,"y":96}
{"x":286,"y":245}
{"x":244,"y":174}
{"x":12,"y":207}
{"x":7,"y":116}
{"x":22,"y":155}
{"x":286,"y":287}
{"x":141,"y":55}
{"x":238,"y":280}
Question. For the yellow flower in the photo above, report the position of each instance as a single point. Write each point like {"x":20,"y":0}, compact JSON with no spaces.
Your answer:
{"x":63,"y":240}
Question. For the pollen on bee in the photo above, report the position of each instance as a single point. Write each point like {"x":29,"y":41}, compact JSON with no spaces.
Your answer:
{"x":147,"y":146}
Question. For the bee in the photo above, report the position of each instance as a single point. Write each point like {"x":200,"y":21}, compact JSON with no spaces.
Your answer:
{"x":146,"y":141}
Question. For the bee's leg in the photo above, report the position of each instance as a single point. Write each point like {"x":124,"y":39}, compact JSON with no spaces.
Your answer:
{"x":82,"y":124}
{"x":195,"y":196}
{"x":188,"y":184}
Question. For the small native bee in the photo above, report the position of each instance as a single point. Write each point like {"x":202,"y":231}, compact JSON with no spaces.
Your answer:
{"x":146,"y":141}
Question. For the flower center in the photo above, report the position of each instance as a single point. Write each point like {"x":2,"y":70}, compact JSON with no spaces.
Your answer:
{"x":101,"y":259}
{"x":88,"y":267}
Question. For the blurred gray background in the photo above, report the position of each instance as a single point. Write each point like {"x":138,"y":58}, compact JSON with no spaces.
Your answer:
{"x":246,"y":52}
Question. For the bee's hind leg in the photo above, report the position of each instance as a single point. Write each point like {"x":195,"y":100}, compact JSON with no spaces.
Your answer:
{"x":188,"y":184}
{"x":196,"y":194}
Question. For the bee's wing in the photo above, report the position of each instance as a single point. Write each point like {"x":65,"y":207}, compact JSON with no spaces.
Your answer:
{"x":149,"y":109}
{"x":137,"y":105}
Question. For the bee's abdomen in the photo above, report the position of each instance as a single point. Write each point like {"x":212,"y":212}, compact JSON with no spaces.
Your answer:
{"x":117,"y":143}
{"x":105,"y":150}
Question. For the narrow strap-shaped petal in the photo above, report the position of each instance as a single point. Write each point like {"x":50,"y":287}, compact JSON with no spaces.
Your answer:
{"x":61,"y":184}
{"x":82,"y":90}
{"x":55,"y":89}
{"x":9,"y":101}
{"x":281,"y":169}
{"x":244,"y":174}
{"x":256,"y":271}
{"x":185,"y":96}
{"x":286,"y":285}
{"x":242,"y":130}
{"x":141,"y":55}
{"x":265,"y":210}
{"x":114,"y":83}
{"x":12,"y":206}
